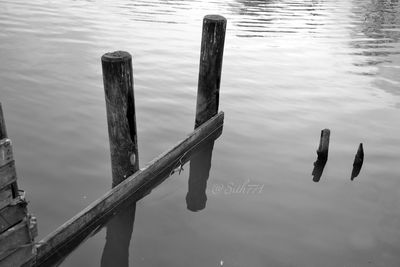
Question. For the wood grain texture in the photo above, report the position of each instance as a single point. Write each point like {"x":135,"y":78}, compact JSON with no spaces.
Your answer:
{"x":14,"y":238}
{"x":211,"y":55}
{"x":6,"y":153}
{"x":135,"y":184}
{"x":6,"y":196}
{"x":121,"y":118}
{"x":8,"y":174}
{"x":3,"y":135}
{"x":11,"y":215}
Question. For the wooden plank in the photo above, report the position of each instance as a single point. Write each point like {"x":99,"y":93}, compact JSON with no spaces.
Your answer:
{"x":6,"y":196}
{"x":11,"y":215}
{"x":14,"y":238}
{"x":6,"y":155}
{"x":134,"y":184}
{"x":8,"y":174}
{"x":20,"y":256}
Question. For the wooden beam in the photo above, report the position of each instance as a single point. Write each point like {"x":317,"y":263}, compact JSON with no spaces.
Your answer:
{"x":135,"y":184}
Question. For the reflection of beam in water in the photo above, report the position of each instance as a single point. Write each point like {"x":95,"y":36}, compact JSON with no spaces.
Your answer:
{"x":319,"y":166}
{"x":200,"y":165}
{"x":119,"y":232}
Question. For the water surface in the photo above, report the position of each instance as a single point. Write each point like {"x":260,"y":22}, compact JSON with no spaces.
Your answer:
{"x":291,"y":68}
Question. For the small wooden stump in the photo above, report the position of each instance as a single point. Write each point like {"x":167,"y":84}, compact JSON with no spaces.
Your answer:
{"x":322,"y":153}
{"x":358,"y":162}
{"x":324,"y":145}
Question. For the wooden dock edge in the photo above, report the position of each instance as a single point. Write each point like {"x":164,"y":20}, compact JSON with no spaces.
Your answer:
{"x":108,"y":202}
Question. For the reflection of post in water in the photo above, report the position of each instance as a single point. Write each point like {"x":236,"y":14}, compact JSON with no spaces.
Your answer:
{"x":322,"y":153}
{"x":118,"y":238}
{"x":200,"y":165}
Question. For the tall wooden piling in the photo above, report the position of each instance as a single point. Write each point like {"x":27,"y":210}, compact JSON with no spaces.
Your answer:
{"x":120,"y":105}
{"x":211,"y":54}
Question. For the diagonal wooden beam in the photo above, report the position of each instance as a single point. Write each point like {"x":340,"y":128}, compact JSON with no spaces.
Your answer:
{"x":138,"y":183}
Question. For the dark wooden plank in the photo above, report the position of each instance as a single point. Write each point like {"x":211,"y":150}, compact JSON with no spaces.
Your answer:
{"x":14,"y":238}
{"x":20,"y":256}
{"x":8,"y":174}
{"x":129,"y":187}
{"x":13,"y":214}
{"x":6,"y":196}
{"x":6,"y":154}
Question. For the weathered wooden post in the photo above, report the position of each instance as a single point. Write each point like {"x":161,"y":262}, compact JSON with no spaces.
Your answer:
{"x":121,"y":117}
{"x":323,"y":147}
{"x":3,"y":131}
{"x":358,"y":162}
{"x":3,"y":134}
{"x":322,"y":153}
{"x":211,"y":55}
{"x":120,"y":105}
{"x":212,"y":49}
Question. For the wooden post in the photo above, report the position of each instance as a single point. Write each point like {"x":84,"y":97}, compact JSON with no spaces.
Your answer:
{"x":3,"y":134}
{"x":3,"y":131}
{"x":323,"y":145}
{"x":120,"y":105}
{"x":212,"y":49}
{"x":358,"y":162}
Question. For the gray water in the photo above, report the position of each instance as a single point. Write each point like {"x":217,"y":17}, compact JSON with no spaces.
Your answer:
{"x":291,"y":68}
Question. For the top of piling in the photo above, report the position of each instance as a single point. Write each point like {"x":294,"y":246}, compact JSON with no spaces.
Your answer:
{"x":116,"y":56}
{"x":216,"y":18}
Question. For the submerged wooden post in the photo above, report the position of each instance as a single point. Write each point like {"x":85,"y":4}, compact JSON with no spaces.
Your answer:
{"x":212,"y":49}
{"x":121,"y":118}
{"x":323,"y":145}
{"x":358,"y":162}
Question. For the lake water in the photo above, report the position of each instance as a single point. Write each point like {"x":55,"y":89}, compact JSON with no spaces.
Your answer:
{"x":291,"y":68}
